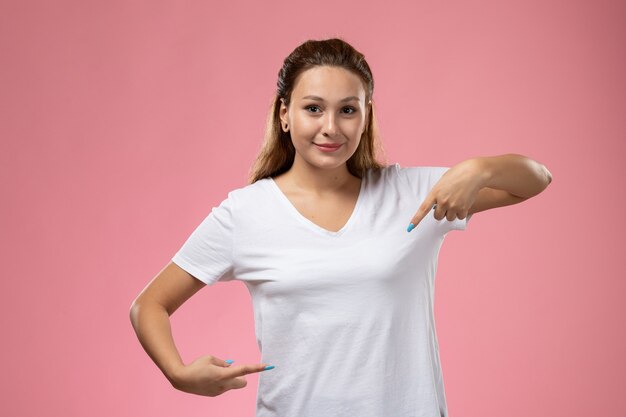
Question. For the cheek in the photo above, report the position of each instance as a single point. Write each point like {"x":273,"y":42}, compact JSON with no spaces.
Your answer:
{"x":354,"y":130}
{"x":303,"y":127}
{"x":306,"y":123}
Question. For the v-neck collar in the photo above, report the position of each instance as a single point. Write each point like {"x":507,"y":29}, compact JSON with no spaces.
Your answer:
{"x":314,"y":226}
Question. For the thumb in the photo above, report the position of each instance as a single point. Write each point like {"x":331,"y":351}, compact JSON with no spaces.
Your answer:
{"x":220,"y":362}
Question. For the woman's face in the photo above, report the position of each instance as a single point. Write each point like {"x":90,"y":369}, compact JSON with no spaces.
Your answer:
{"x":336,"y":115}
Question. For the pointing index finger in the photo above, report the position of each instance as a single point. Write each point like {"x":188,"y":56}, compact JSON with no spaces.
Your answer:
{"x":248,"y":369}
{"x":420,"y":215}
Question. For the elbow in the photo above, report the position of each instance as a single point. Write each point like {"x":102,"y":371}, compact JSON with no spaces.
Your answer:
{"x":132,"y":313}
{"x":548,"y":175}
{"x":134,"y":305}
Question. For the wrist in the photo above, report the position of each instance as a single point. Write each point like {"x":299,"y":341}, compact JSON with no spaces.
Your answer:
{"x":172,"y":373}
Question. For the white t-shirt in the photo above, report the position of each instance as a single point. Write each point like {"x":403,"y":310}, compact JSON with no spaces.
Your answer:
{"x":345,"y":317}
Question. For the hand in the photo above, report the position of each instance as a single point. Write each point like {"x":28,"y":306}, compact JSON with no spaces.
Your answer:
{"x":210,"y":376}
{"x":454,"y":194}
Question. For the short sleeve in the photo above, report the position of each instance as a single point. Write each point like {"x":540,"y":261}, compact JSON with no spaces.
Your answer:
{"x":207,"y":252}
{"x":421,"y":181}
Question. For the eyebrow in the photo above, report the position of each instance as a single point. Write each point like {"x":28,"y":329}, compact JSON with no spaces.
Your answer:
{"x":341,"y":101}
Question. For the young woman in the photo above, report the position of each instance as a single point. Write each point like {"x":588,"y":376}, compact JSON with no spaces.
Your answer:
{"x":342,"y":290}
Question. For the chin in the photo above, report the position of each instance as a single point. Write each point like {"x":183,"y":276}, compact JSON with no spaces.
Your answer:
{"x":331,"y":164}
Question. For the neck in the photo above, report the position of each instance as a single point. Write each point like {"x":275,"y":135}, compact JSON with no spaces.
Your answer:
{"x":319,"y":180}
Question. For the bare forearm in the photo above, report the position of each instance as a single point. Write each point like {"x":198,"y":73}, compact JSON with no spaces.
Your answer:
{"x":152,"y":326}
{"x":517,"y":174}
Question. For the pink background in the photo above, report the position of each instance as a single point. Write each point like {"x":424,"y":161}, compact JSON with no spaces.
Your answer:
{"x":124,"y":122}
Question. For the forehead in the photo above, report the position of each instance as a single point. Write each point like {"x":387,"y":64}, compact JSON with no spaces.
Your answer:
{"x":329,"y":83}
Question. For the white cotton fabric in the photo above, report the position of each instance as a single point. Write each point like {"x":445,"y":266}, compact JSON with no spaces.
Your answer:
{"x":346,"y":317}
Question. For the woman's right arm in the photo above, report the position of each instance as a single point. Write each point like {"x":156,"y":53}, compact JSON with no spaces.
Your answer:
{"x":149,"y":315}
{"x":150,"y":311}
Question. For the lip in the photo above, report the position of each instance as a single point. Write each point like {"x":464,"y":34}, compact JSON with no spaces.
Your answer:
{"x":328,"y":147}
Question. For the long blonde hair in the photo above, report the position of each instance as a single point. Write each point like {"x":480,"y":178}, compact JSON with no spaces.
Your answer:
{"x":277,"y":151}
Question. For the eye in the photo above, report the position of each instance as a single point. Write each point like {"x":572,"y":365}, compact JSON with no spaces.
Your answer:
{"x":352,"y":109}
{"x":308,"y":107}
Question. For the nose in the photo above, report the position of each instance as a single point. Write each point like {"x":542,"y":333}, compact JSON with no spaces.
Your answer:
{"x":330,"y":125}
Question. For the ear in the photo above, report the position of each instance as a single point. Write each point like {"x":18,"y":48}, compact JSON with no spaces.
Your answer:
{"x":283,"y":110}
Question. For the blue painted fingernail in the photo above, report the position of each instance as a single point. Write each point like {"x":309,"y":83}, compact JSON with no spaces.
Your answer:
{"x":229,"y":361}
{"x":411,"y":226}
{"x":269,"y":367}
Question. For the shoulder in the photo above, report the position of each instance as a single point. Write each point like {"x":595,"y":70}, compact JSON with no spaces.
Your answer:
{"x":428,"y":170}
{"x":244,"y":196}
{"x":395,"y":169}
{"x":396,"y":173}
{"x":383,"y":174}
{"x":258,"y":197}
{"x":421,"y":174}
{"x":416,"y":178}
{"x":249,"y":193}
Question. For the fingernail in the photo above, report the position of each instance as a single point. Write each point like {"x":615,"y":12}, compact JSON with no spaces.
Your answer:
{"x":229,"y":361}
{"x":269,"y":367}
{"x":411,"y":226}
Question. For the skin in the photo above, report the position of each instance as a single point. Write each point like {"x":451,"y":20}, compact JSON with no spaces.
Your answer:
{"x":317,"y":175}
{"x":320,"y":186}
{"x":320,"y":182}
{"x":207,"y":375}
{"x":328,"y":120}
{"x":483,"y":183}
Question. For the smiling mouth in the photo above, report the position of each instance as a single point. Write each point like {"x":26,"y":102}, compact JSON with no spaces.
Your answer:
{"x":328,"y":148}
{"x":329,"y":145}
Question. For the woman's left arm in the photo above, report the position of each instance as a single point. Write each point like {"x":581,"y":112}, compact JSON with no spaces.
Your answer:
{"x":516,"y":174}
{"x":483,"y":183}
{"x":507,"y":179}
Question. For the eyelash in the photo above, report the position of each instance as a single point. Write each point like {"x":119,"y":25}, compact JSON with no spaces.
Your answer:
{"x":349,"y":107}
